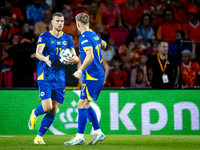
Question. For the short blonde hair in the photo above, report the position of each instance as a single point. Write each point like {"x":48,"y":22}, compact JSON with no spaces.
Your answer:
{"x":83,"y":18}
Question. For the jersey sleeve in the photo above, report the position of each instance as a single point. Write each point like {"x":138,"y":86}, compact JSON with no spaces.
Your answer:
{"x":86,"y":44}
{"x":159,"y":33}
{"x":41,"y":40}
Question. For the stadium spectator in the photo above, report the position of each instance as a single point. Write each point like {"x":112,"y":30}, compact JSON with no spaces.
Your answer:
{"x":168,"y":29}
{"x":117,"y":77}
{"x":111,"y":14}
{"x":190,"y":71}
{"x":130,"y":54}
{"x":131,"y":13}
{"x":67,"y":7}
{"x":7,"y":29}
{"x":24,"y":65}
{"x":25,"y":28}
{"x":103,"y":29}
{"x":44,"y":25}
{"x":155,"y":9}
{"x":163,"y":68}
{"x":6,"y":69}
{"x":109,"y":52}
{"x":95,"y":14}
{"x":16,"y":14}
{"x":152,"y":50}
{"x":192,"y":28}
{"x":34,"y":12}
{"x":137,"y":79}
{"x":70,"y":26}
{"x":179,"y":7}
{"x":173,"y":48}
{"x":145,"y":33}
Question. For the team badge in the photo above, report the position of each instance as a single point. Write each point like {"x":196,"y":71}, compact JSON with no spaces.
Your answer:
{"x":64,"y":43}
{"x":42,"y":93}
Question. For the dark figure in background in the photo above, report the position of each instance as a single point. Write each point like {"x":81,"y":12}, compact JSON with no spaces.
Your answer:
{"x":163,"y":67}
{"x":24,"y":65}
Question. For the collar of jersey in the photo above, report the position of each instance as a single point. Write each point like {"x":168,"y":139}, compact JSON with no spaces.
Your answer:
{"x":54,"y":35}
{"x":87,"y":30}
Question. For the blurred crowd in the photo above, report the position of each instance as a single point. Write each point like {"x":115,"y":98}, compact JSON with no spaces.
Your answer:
{"x":133,"y":30}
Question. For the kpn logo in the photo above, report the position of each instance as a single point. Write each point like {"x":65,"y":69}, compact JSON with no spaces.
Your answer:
{"x":66,"y":121}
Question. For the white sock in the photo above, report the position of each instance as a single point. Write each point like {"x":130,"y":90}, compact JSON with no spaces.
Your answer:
{"x":79,"y":135}
{"x":98,"y":131}
{"x":38,"y":136}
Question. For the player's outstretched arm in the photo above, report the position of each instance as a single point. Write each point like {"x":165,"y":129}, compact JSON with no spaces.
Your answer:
{"x":88,"y":59}
{"x":41,"y":57}
{"x":104,"y":44}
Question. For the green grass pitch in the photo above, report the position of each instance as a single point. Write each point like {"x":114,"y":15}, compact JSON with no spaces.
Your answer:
{"x":112,"y":142}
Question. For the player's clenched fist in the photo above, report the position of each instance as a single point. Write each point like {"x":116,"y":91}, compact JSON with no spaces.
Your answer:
{"x":48,"y":61}
{"x":78,"y":74}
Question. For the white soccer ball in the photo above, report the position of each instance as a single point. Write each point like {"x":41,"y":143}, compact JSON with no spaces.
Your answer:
{"x":63,"y":55}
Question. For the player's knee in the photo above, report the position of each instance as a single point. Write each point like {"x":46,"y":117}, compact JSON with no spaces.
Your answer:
{"x":48,"y":108}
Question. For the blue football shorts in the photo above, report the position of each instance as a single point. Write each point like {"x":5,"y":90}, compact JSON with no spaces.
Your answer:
{"x":53,"y":90}
{"x":91,"y":89}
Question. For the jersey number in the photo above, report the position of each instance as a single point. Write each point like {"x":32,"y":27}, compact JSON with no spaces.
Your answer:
{"x":58,"y":49}
{"x":98,"y":49}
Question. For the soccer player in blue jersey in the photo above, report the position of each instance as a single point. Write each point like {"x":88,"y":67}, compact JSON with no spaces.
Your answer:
{"x":93,"y":78}
{"x":51,"y":74}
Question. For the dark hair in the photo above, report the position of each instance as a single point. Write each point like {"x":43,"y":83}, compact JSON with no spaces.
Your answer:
{"x":118,"y":58}
{"x":168,"y":9}
{"x":57,"y":14}
{"x":181,"y":32}
{"x":160,"y":41}
{"x":130,"y":38}
{"x":12,"y":36}
{"x":142,"y":18}
{"x":21,"y":23}
{"x":6,"y":13}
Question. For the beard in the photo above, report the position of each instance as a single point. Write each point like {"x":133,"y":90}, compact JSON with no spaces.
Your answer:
{"x":57,"y":29}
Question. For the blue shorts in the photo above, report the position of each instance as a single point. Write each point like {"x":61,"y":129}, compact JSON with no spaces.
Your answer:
{"x":53,"y":90}
{"x":91,"y":89}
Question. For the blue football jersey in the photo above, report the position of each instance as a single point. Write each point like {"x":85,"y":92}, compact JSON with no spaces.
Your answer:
{"x":90,"y":40}
{"x":53,"y":46}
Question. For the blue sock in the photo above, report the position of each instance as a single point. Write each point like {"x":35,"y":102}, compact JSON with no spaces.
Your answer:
{"x":46,"y":123}
{"x":39,"y":110}
{"x":82,"y":120}
{"x":93,"y":118}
